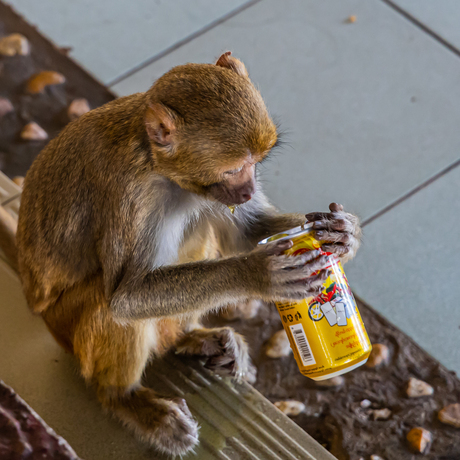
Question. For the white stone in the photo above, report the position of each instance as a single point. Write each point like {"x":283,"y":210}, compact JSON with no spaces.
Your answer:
{"x":77,"y":108}
{"x":14,"y":44}
{"x":417,"y":388}
{"x":381,"y":414}
{"x":290,"y":407}
{"x":278,"y":345}
{"x":333,"y":382}
{"x":5,"y":106}
{"x":33,"y":132}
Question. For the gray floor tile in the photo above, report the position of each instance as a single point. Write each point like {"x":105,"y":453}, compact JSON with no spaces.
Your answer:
{"x":109,"y":38}
{"x":408,"y":268}
{"x":370,"y":108}
{"x":441,"y":16}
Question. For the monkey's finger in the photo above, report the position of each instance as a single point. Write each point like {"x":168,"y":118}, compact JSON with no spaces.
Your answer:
{"x":342,"y":225}
{"x":276,"y":248}
{"x":305,"y":275}
{"x":305,"y":262}
{"x":295,"y":292}
{"x":318,"y":279}
{"x":335,"y":207}
{"x":333,"y":237}
{"x":313,"y":216}
{"x":305,"y":258}
{"x":312,"y":284}
{"x":338,"y":249}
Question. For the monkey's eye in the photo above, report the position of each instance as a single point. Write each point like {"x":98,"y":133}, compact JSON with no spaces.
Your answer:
{"x":233,"y":172}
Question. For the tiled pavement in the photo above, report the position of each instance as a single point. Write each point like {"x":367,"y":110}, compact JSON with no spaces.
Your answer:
{"x":371,"y":110}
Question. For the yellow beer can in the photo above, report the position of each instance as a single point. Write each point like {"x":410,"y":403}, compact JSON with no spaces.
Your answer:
{"x":326,"y":332}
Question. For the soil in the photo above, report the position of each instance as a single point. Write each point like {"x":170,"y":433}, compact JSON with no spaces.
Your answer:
{"x":333,"y":416}
{"x":49,"y":109}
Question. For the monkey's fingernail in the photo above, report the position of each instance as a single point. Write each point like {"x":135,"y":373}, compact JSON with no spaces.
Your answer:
{"x":319,"y":233}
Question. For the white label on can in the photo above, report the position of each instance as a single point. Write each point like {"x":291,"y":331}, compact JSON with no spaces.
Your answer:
{"x":341,"y":314}
{"x":329,"y":313}
{"x":303,"y":347}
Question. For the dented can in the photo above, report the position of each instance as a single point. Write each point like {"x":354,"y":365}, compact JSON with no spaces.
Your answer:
{"x":326,"y":332}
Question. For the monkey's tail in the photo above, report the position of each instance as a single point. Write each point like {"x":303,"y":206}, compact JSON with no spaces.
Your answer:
{"x":8,"y":227}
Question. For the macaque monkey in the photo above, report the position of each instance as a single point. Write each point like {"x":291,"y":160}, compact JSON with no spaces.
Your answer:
{"x":125,"y":238}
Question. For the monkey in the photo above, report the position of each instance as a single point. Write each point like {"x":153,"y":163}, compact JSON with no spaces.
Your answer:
{"x":125,"y":240}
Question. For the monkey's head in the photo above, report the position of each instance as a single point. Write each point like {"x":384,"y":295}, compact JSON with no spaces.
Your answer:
{"x":208,"y":128}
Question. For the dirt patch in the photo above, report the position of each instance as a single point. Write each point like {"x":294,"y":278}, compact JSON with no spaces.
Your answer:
{"x":47,"y":109}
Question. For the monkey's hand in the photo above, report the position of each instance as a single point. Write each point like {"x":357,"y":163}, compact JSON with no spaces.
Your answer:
{"x":339,"y":231}
{"x":288,"y":277}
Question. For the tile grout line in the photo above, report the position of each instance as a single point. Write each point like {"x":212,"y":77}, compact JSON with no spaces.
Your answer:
{"x":422,"y":26}
{"x":412,"y":192}
{"x":182,"y":42}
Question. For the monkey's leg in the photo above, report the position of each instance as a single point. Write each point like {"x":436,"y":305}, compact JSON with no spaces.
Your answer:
{"x":113,"y":357}
{"x":242,"y":310}
{"x":225,"y":350}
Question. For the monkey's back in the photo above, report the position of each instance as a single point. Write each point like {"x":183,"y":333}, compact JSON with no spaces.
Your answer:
{"x":69,"y":197}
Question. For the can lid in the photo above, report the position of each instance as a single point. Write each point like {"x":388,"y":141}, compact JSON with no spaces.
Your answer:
{"x":287,"y":234}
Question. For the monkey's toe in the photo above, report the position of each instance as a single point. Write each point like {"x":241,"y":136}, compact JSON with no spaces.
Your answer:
{"x":177,"y":433}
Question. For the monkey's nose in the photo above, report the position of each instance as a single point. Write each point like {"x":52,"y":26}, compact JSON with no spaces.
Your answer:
{"x":246,"y":191}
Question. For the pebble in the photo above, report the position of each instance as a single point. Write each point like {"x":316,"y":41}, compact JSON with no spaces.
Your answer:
{"x":19,"y":181}
{"x":278,"y":345}
{"x":450,"y":415}
{"x":381,"y":414}
{"x":14,"y":44}
{"x":290,"y":407}
{"x":333,"y":382}
{"x":351,"y":19}
{"x":33,"y":132}
{"x":376,"y":457}
{"x":365,"y":403}
{"x":417,"y":388}
{"x":5,"y":106}
{"x":419,"y":440}
{"x":41,"y":80}
{"x":380,"y":355}
{"x":77,"y":108}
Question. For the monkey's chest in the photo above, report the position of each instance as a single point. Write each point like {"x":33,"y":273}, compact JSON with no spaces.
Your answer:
{"x":199,"y":244}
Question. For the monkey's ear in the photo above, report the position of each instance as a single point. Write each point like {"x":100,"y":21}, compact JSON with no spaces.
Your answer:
{"x":160,"y":124}
{"x":229,"y":62}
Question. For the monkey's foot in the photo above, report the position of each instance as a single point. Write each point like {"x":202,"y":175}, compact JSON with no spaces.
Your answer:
{"x":225,"y":350}
{"x":164,"y":424}
{"x":243,"y":310}
{"x":177,"y":432}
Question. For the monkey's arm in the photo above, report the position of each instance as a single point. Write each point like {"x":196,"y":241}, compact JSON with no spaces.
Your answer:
{"x":179,"y":289}
{"x":175,"y":290}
